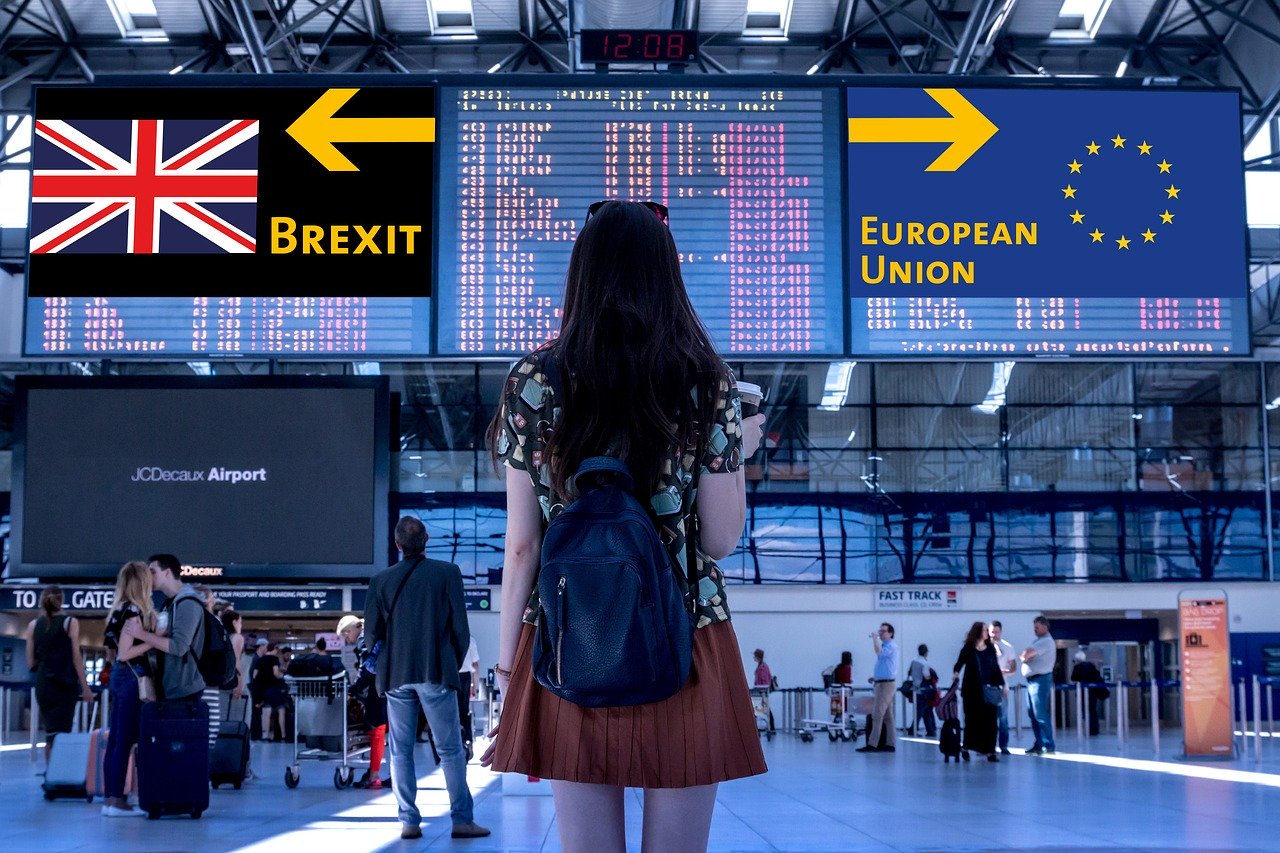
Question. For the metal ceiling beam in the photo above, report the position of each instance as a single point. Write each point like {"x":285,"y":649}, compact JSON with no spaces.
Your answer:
{"x":248,"y":30}
{"x":973,"y":29}
{"x":1225,"y":53}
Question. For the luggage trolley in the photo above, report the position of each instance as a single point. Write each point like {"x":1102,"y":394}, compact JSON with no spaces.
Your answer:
{"x":330,"y":690}
{"x":843,"y":724}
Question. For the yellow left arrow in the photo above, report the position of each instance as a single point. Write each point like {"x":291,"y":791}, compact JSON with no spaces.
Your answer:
{"x":318,"y":129}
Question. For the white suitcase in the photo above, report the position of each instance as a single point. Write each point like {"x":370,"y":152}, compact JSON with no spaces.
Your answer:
{"x":68,"y":771}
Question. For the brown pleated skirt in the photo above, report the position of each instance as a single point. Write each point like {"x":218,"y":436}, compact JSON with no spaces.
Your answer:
{"x":705,"y":733}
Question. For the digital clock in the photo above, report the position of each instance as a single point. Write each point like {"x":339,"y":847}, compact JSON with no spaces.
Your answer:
{"x":638,"y":45}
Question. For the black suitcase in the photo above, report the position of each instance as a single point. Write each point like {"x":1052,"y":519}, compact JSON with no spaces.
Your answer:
{"x":173,"y":758}
{"x":949,"y":741}
{"x":884,"y":734}
{"x":229,"y":761}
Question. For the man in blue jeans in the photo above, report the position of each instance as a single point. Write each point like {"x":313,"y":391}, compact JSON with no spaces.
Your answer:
{"x":416,"y":611}
{"x":1037,"y":666}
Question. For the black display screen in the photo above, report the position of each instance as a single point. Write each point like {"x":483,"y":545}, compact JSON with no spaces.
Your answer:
{"x":638,"y":45}
{"x":241,"y":479}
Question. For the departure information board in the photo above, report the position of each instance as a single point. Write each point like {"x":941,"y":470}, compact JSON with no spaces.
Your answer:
{"x":749,"y":175}
{"x":289,"y":219}
{"x":1063,"y":222}
{"x":303,"y":326}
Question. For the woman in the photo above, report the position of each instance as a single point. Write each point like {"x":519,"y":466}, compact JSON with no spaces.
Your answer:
{"x":763,"y":679}
{"x":634,"y":373}
{"x":844,"y":672}
{"x":268,"y":678}
{"x":981,"y":669}
{"x":53,"y":654}
{"x":236,"y":700}
{"x":375,"y":707}
{"x":131,"y":664}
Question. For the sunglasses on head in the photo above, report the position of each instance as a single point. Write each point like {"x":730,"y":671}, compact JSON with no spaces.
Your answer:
{"x":659,"y":210}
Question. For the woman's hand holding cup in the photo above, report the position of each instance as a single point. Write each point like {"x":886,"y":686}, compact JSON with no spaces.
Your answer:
{"x":751,"y":396}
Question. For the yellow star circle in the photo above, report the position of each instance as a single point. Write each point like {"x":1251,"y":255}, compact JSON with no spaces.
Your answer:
{"x":1096,"y":235}
{"x":1148,"y":236}
{"x":1144,"y":149}
{"x":1069,"y":191}
{"x":1074,"y":166}
{"x":1123,"y":242}
{"x":1118,"y":141}
{"x":1093,"y":147}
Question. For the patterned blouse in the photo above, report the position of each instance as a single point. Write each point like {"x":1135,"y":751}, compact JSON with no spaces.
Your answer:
{"x":527,"y":415}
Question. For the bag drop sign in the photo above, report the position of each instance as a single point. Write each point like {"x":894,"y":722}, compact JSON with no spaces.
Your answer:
{"x":926,"y":598}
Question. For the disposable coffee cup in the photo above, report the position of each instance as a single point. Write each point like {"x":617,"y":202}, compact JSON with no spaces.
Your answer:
{"x":752,"y":396}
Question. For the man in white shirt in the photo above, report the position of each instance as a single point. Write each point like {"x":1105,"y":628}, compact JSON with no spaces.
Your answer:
{"x":1008,"y":662}
{"x":1037,"y":667}
{"x":923,"y":682}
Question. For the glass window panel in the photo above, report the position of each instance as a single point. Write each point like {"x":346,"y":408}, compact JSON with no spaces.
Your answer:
{"x":1070,"y":384}
{"x":782,"y":380}
{"x":938,"y":383}
{"x":937,"y":471}
{"x":1070,"y":426}
{"x":1180,"y":383}
{"x":935,"y":427}
{"x":1080,"y":469}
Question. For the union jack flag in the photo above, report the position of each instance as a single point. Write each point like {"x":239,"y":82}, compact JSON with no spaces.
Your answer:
{"x":102,"y":186}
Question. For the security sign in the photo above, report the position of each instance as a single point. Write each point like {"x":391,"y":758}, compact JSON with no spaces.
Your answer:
{"x":253,"y":191}
{"x":975,"y":192}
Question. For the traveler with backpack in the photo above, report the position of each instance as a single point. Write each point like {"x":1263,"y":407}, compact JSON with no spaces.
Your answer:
{"x":623,"y":442}
{"x":194,"y":653}
{"x":415,"y":609}
{"x":179,"y":635}
{"x":924,"y":691}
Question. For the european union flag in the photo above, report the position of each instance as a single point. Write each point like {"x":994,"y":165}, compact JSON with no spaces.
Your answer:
{"x":1077,"y":193}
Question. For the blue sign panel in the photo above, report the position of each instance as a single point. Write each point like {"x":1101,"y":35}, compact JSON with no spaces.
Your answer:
{"x":1046,"y":222}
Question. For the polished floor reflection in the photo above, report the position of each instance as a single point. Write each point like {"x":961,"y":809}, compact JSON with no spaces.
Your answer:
{"x":817,"y":797}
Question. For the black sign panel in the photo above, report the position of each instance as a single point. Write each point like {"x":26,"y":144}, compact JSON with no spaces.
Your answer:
{"x":264,"y":191}
{"x":476,"y":598}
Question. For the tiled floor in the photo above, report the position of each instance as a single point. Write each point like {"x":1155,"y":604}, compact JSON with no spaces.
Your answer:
{"x":817,"y":796}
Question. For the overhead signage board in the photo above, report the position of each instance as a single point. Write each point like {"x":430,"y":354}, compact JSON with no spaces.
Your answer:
{"x":249,"y":191}
{"x":475,"y":598}
{"x":1055,"y":222}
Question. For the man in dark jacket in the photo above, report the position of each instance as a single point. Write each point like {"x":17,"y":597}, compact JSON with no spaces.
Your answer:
{"x":1085,"y":672}
{"x":416,"y":609}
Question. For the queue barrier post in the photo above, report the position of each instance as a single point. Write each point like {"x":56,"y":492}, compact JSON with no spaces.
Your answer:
{"x":1080,"y":720}
{"x":1155,"y":718}
{"x":1242,"y":710}
{"x":1257,"y":721}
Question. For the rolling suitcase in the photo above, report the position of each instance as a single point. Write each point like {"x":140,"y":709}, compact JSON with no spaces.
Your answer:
{"x":173,"y":759}
{"x":67,"y":775}
{"x":884,"y":734}
{"x":949,"y":740}
{"x":229,"y":761}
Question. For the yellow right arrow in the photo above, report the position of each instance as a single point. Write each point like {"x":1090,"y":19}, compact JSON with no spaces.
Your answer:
{"x":967,"y":129}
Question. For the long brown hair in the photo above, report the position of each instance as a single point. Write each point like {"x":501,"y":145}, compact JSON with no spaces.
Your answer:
{"x":630,"y":351}
{"x":975,"y":634}
{"x":51,"y":600}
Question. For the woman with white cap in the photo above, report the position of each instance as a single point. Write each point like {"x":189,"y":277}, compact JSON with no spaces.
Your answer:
{"x":375,"y":707}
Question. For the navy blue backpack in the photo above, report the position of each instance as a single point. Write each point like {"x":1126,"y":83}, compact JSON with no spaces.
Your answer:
{"x":614,"y":628}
